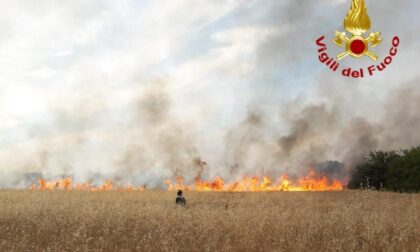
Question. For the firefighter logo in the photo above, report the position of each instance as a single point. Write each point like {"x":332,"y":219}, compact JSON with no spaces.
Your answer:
{"x":357,"y":23}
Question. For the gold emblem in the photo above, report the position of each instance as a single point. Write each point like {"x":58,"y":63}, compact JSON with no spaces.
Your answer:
{"x":357,"y":22}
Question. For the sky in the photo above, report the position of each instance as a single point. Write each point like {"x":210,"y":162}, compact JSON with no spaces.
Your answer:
{"x":143,"y":90}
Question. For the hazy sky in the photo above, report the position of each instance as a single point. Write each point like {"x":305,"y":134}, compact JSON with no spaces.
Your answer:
{"x":73,"y":74}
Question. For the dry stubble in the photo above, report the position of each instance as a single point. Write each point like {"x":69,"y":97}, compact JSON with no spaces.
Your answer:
{"x":150,"y":221}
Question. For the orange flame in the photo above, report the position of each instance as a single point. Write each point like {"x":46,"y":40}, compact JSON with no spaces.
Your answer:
{"x":311,"y":182}
{"x":67,"y":184}
{"x":259,"y":184}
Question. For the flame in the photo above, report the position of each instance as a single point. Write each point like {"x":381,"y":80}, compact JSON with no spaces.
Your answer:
{"x":357,"y":20}
{"x":259,"y":184}
{"x":311,"y":182}
{"x":67,"y":184}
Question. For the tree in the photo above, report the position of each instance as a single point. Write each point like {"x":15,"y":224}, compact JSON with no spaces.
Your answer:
{"x":372,"y":172}
{"x":404,"y":173}
{"x":396,"y":171}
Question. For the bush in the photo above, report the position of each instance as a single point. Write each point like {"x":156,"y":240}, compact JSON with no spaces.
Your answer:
{"x":397,"y":171}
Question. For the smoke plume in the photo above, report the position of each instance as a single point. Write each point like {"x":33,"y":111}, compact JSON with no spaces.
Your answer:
{"x":189,"y":98}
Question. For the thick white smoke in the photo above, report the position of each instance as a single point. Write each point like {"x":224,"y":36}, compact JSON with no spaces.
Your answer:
{"x":225,"y":90}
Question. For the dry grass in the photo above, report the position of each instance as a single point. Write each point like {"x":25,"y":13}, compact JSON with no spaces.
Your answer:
{"x":149,"y":221}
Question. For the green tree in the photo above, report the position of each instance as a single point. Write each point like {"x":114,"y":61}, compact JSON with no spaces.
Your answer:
{"x":396,"y":171}
{"x":372,"y":172}
{"x":404,"y":172}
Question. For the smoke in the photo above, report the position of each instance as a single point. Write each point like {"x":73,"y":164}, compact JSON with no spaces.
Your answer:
{"x":167,"y":127}
{"x":155,"y":144}
{"x":159,"y":145}
{"x":324,"y":131}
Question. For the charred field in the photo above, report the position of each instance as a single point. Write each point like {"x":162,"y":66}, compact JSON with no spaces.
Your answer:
{"x":265,"y":221}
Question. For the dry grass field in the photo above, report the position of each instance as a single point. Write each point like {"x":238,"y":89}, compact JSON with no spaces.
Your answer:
{"x":149,"y":221}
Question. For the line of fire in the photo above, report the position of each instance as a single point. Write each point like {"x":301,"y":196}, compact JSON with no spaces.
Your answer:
{"x":310,"y":182}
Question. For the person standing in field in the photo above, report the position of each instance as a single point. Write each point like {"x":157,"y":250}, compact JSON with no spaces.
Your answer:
{"x":180,"y":200}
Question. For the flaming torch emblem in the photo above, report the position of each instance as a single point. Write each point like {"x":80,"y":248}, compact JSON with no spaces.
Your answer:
{"x":357,"y":22}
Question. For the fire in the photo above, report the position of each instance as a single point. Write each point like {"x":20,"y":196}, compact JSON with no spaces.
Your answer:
{"x":67,"y":184}
{"x":260,"y":184}
{"x":311,"y":182}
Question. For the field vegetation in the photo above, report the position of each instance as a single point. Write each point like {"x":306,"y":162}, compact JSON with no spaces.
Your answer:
{"x":150,"y":221}
{"x":389,"y":170}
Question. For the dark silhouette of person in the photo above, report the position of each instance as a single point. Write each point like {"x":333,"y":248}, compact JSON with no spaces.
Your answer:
{"x":180,"y":200}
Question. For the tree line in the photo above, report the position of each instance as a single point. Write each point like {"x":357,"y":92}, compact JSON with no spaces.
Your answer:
{"x":388,"y":170}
